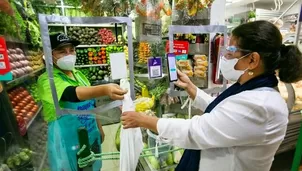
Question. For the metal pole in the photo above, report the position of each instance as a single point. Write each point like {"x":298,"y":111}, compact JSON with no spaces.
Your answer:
{"x":298,"y":28}
{"x":286,"y":10}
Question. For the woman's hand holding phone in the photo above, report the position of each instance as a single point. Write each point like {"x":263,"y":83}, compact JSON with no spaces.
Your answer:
{"x":185,"y":83}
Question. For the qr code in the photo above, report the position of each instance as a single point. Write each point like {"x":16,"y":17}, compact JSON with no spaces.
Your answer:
{"x":155,"y":71}
{"x":2,"y":65}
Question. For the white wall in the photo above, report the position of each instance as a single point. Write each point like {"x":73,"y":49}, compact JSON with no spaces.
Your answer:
{"x":294,"y":10}
{"x":218,"y":12}
{"x":263,"y":4}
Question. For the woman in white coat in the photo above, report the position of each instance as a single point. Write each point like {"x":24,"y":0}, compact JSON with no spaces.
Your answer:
{"x":243,"y":127}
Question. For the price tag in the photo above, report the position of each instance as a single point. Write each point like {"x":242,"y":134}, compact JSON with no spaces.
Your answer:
{"x":5,"y":74}
{"x":155,"y":67}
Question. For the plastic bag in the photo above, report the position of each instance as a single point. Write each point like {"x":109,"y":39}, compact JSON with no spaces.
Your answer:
{"x":131,"y":139}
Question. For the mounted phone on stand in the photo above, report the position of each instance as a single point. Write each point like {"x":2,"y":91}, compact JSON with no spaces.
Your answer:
{"x":172,"y":69}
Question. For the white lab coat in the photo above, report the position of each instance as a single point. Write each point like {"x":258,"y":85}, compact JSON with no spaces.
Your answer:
{"x":242,"y":133}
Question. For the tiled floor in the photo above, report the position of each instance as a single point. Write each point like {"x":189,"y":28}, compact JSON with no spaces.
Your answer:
{"x":109,"y":146}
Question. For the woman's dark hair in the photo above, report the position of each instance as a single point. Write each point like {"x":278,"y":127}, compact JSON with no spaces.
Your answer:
{"x":265,"y":38}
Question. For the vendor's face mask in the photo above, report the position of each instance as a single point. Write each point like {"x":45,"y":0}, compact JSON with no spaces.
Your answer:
{"x":67,"y":63}
{"x":228,"y":66}
{"x":64,"y":57}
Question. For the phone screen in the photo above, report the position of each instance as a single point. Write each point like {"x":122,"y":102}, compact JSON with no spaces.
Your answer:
{"x":172,"y":67}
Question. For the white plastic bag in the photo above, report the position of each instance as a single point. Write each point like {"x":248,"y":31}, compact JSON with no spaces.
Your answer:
{"x":131,"y":139}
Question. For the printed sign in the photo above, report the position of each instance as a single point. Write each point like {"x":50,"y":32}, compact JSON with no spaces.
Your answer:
{"x":151,"y":29}
{"x":5,"y":74}
{"x":180,"y":47}
{"x":155,"y":67}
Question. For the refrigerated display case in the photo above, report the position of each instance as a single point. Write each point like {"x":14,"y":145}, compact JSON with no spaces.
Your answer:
{"x":291,"y":93}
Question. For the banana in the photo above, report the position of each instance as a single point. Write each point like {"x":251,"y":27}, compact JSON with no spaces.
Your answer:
{"x":192,"y":11}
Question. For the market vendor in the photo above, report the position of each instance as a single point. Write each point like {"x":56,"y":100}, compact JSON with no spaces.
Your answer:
{"x":74,"y":92}
{"x":243,"y":127}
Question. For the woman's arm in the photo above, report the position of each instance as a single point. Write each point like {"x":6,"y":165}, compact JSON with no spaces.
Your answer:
{"x":233,"y":123}
{"x":112,"y":90}
{"x":201,"y":99}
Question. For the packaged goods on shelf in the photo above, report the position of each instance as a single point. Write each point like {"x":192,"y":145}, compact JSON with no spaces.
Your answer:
{"x":298,"y":91}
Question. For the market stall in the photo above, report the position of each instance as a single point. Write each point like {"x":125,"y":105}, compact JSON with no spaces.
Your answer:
{"x":150,"y":30}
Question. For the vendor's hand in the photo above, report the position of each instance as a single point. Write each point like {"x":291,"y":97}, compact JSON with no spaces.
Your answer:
{"x":102,"y":136}
{"x":185,"y":83}
{"x":115,"y":92}
{"x":131,"y":119}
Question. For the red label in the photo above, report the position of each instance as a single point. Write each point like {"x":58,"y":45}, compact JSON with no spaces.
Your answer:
{"x":4,"y":61}
{"x":180,"y":47}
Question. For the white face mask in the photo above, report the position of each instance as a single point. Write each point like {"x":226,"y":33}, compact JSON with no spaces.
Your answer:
{"x":228,"y":68}
{"x":67,"y":63}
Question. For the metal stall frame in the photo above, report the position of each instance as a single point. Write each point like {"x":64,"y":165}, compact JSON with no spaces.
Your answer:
{"x":44,"y":20}
{"x":173,"y":29}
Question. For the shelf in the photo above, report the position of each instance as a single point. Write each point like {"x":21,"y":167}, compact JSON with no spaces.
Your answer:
{"x":147,"y":76}
{"x":92,"y":65}
{"x":88,"y":46}
{"x":59,"y":6}
{"x":33,"y":119}
{"x":83,"y":25}
{"x":24,"y":77}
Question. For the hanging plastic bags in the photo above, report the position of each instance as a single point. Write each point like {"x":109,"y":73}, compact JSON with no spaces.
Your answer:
{"x":131,"y":139}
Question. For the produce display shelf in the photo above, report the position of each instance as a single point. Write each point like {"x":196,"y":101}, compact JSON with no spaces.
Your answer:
{"x":104,"y":45}
{"x":24,"y":77}
{"x":60,"y":6}
{"x":92,"y":65}
{"x":147,"y":76}
{"x":89,"y":46}
{"x":82,"y":25}
{"x":35,"y":116}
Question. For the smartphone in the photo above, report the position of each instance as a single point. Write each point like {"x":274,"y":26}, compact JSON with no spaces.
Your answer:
{"x":172,"y":69}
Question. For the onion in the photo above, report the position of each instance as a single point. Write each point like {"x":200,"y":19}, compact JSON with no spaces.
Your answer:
{"x":20,"y":72}
{"x":11,"y":51}
{"x":17,"y":64}
{"x":19,"y":51}
{"x":24,"y":70}
{"x":11,"y":59}
{"x":22,"y":56}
